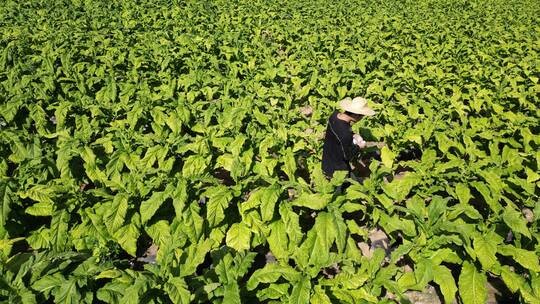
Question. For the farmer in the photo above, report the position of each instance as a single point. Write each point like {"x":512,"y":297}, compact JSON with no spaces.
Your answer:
{"x":340,"y":144}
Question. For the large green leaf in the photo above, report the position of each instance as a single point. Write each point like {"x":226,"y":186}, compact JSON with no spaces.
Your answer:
{"x":231,"y":294}
{"x":151,"y":205}
{"x":472,"y":285}
{"x":271,"y":273}
{"x":47,"y":283}
{"x":238,"y":237}
{"x":194,"y":256}
{"x":513,"y":280}
{"x":360,"y":295}
{"x":398,"y":189}
{"x":268,"y":199}
{"x":485,"y":251}
{"x":528,"y":259}
{"x":133,"y":292}
{"x":423,"y":272}
{"x":292,"y":224}
{"x":278,"y":240}
{"x":6,"y":199}
{"x":488,"y":196}
{"x":315,"y":201}
{"x":443,"y":277}
{"x":194,"y":165}
{"x":160,"y":232}
{"x":177,"y":290}
{"x":395,"y":223}
{"x":319,"y":296}
{"x":515,"y":220}
{"x":219,"y":198}
{"x":127,"y":237}
{"x":40,"y":209}
{"x":301,"y":291}
{"x":68,"y":293}
{"x":290,"y":165}
{"x":387,"y":157}
{"x":463,"y":193}
{"x":179,"y":197}
{"x":59,"y":230}
{"x":316,"y":248}
{"x":274,"y":291}
{"x":115,"y":216}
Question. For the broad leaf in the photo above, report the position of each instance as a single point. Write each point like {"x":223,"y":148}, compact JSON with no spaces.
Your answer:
{"x":443,"y":277}
{"x":150,"y":206}
{"x":238,"y":237}
{"x":387,"y":157}
{"x":271,"y":273}
{"x":472,"y":285}
{"x":315,"y":201}
{"x":177,"y":290}
{"x":127,"y":238}
{"x":463,"y":193}
{"x":6,"y":198}
{"x":301,"y":291}
{"x":528,"y":259}
{"x":515,"y":220}
{"x":485,"y":252}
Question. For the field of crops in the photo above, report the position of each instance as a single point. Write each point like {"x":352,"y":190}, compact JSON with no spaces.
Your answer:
{"x":170,"y":151}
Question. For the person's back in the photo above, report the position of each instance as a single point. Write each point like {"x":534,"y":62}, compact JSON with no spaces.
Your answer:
{"x":340,"y":144}
{"x":336,"y":154}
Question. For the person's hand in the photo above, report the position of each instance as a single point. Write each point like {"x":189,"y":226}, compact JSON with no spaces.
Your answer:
{"x":359,"y":141}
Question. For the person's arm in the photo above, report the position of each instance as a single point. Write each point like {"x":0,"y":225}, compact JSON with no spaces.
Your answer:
{"x":359,"y":141}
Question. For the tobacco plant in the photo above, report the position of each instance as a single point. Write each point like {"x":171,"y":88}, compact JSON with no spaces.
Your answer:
{"x":169,"y":151}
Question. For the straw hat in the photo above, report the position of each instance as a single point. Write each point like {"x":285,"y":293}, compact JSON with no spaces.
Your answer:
{"x":358,"y":105}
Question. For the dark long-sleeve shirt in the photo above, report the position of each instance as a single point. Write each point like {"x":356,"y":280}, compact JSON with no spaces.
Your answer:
{"x":338,"y":147}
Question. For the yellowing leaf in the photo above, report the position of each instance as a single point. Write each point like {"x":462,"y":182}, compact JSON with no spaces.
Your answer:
{"x":512,"y":280}
{"x":463,"y":193}
{"x":194,"y":165}
{"x":387,"y":157}
{"x":278,"y":240}
{"x":271,"y":273}
{"x":40,"y":209}
{"x":515,"y":220}
{"x":485,"y":252}
{"x":526,"y":258}
{"x":127,"y":238}
{"x":532,"y":176}
{"x":443,"y":277}
{"x":238,"y":237}
{"x":319,"y":296}
{"x":315,"y":201}
{"x":472,"y":285}
{"x":109,"y":274}
{"x":301,"y":291}
{"x":177,"y":290}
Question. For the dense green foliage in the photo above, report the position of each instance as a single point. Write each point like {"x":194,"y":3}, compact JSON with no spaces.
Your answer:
{"x":130,"y":123}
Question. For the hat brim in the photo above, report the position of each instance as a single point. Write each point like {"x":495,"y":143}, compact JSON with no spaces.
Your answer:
{"x":346,"y":105}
